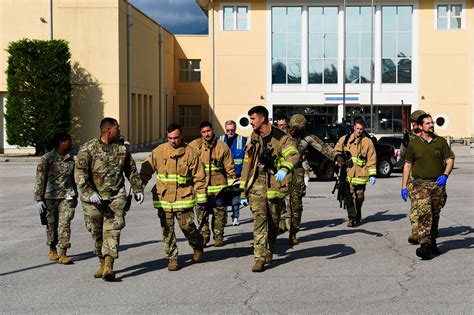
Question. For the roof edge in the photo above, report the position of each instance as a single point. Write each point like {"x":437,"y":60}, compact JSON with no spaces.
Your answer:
{"x":204,"y":5}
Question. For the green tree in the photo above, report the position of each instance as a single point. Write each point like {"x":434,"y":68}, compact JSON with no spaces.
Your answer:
{"x":38,"y":92}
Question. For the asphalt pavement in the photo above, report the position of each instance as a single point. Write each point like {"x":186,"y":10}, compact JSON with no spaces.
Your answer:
{"x":369,"y":269}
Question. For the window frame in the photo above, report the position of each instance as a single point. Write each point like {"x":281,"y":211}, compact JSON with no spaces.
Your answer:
{"x":235,"y":7}
{"x":183,"y":117}
{"x":450,"y":4}
{"x":189,"y":71}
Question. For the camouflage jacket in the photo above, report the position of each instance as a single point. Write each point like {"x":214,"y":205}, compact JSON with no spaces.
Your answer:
{"x":285,"y":156}
{"x":305,"y":139}
{"x":55,"y":177}
{"x":218,"y":164}
{"x":100,"y":168}
{"x":180,"y":178}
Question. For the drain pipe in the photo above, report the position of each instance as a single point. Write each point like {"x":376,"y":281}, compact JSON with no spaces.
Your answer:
{"x":50,"y":19}
{"x":161,"y":83}
{"x":129,"y":88}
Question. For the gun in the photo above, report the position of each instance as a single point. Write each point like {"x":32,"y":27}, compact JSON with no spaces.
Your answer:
{"x":128,"y":203}
{"x":268,"y":160}
{"x":43,"y":219}
{"x":341,"y":186}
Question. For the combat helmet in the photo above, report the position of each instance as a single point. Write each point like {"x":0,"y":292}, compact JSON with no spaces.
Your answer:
{"x":417,"y":113}
{"x":297,"y":121}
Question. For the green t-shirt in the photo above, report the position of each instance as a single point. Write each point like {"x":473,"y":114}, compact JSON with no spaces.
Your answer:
{"x":428,"y":158}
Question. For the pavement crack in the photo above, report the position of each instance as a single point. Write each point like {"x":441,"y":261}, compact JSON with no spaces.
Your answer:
{"x":254,"y":291}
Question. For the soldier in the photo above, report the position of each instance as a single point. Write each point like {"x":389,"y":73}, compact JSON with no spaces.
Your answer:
{"x":236,"y":144}
{"x":430,"y":161}
{"x":220,"y":172}
{"x":297,"y":189}
{"x":415,"y":132}
{"x":270,"y":156}
{"x":56,"y":196}
{"x":100,"y":166}
{"x":180,"y":181}
{"x":361,"y":168}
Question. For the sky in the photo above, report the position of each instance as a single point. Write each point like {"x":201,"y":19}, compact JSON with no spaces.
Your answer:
{"x":178,"y":16}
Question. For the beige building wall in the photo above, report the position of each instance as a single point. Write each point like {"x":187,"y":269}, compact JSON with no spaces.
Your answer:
{"x":446,"y":71}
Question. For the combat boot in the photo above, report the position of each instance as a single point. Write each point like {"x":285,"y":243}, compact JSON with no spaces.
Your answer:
{"x":205,"y":240}
{"x":434,"y":248}
{"x":109,"y":273}
{"x":100,"y":271}
{"x":350,"y":223}
{"x":197,"y":255}
{"x":218,"y":243}
{"x":53,"y":254}
{"x":424,"y":251}
{"x":258,"y":266}
{"x":413,"y":239}
{"x":268,"y":258}
{"x":173,"y":264}
{"x":293,"y":240}
{"x":281,"y":227}
{"x":63,"y":259}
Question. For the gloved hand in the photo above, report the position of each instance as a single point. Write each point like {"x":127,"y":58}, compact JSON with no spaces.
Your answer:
{"x":244,"y":202}
{"x":340,"y":160}
{"x":96,"y":199}
{"x":404,"y":194}
{"x":202,"y":204}
{"x":372,"y":180}
{"x":41,"y":207}
{"x":280,"y":175}
{"x":202,"y":208}
{"x":139,"y":197}
{"x":306,"y":181}
{"x":441,"y":181}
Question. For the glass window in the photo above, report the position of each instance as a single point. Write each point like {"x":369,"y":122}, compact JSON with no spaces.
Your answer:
{"x":189,"y":70}
{"x":358,"y":44}
{"x":286,"y":45}
{"x":235,"y":18}
{"x":190,"y":116}
{"x":449,"y":16}
{"x":386,"y":119}
{"x":396,"y":44}
{"x":322,"y":44}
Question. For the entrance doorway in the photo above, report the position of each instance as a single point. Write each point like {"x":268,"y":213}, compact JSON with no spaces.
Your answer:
{"x":316,"y":115}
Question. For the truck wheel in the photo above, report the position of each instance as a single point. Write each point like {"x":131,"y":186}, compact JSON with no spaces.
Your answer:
{"x":384,"y":168}
{"x":325,"y":171}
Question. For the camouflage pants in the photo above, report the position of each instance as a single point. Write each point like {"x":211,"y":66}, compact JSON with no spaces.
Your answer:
{"x":354,"y":198}
{"x":185,"y":218}
{"x":297,"y":191}
{"x":428,"y":200}
{"x":217,"y":223}
{"x":59,"y":214}
{"x":413,"y":214}
{"x":266,"y":216}
{"x":105,"y":225}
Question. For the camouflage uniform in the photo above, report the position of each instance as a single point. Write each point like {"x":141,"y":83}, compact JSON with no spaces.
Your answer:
{"x":180,"y":181}
{"x":297,"y":188}
{"x":55,"y":186}
{"x":266,"y":195}
{"x":99,"y":169}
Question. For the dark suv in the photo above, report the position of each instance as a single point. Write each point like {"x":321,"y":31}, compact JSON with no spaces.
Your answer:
{"x":324,"y":168}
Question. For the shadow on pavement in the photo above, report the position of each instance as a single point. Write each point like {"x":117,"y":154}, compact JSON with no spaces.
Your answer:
{"x":447,"y":246}
{"x":455,"y":230}
{"x":321,"y":223}
{"x":382,"y":216}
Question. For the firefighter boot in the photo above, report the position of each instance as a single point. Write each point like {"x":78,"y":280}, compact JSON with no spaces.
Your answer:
{"x":424,"y":251}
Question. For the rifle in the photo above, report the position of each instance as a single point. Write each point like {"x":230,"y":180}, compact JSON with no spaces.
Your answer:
{"x":341,"y":186}
{"x":128,"y":203}
{"x":43,"y":219}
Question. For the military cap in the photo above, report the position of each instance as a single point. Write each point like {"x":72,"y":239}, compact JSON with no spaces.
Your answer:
{"x":417,"y":113}
{"x":297,"y":121}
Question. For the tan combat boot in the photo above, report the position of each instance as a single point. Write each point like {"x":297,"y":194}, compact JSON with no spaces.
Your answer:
{"x":197,"y":255}
{"x":53,"y":254}
{"x":173,"y":264}
{"x":100,"y":271}
{"x":206,"y":240}
{"x":258,"y":266}
{"x":63,"y":259}
{"x":350,"y":223}
{"x":281,"y":226}
{"x":293,"y":240}
{"x":109,"y":273}
{"x":218,"y":243}
{"x":268,"y":258}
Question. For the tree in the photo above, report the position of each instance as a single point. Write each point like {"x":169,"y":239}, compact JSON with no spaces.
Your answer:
{"x":38,"y":92}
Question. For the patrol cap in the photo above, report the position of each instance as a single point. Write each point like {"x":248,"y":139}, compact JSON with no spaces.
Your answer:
{"x":297,"y":121}
{"x":417,"y":113}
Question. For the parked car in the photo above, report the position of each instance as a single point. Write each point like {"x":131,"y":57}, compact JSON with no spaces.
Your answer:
{"x":324,"y":168}
{"x":397,"y":143}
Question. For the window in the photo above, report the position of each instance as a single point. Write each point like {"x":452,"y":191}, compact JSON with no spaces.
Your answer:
{"x":449,"y":16}
{"x":189,"y":70}
{"x":358,"y":44}
{"x":286,"y":45}
{"x":235,"y":18}
{"x":190,"y":116}
{"x":386,"y":119}
{"x":396,"y":44}
{"x":322,"y":45}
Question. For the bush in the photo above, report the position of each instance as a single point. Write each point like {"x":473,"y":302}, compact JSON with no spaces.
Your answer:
{"x":38,"y":92}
